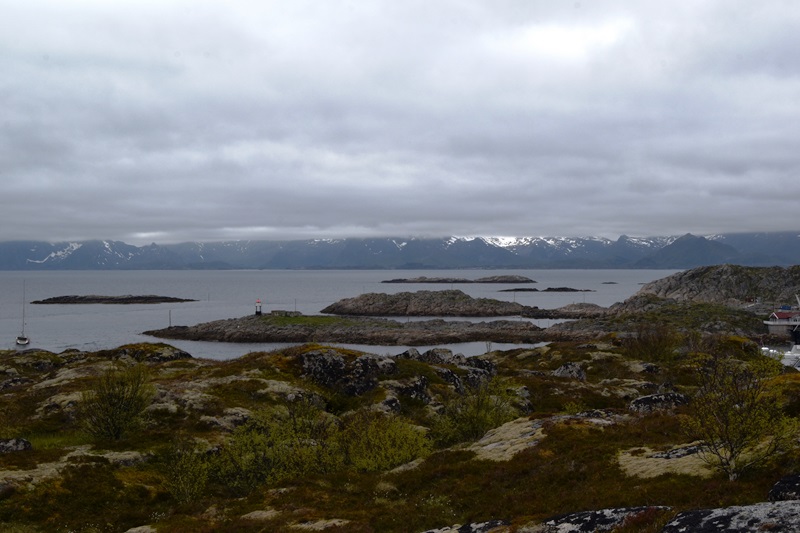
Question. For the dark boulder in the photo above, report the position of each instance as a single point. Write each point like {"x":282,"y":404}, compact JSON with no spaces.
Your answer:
{"x":451,"y":378}
{"x":570,"y":370}
{"x":787,"y":488}
{"x":475,"y":377}
{"x":415,"y":388}
{"x":14,"y":382}
{"x":484,"y":364}
{"x":14,"y":445}
{"x":434,"y":356}
{"x":677,"y":453}
{"x":471,"y":371}
{"x":658,"y":402}
{"x":331,"y":369}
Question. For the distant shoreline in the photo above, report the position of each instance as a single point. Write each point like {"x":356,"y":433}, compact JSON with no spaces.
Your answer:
{"x":490,"y":279}
{"x":125,"y":300}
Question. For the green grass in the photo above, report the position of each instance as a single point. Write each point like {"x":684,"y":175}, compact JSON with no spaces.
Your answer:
{"x":58,"y":439}
{"x":314,"y":321}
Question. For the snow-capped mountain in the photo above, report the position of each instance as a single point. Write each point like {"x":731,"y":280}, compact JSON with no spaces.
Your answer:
{"x":422,"y":253}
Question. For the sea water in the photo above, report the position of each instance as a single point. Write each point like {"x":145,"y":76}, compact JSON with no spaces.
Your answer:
{"x":221,"y":294}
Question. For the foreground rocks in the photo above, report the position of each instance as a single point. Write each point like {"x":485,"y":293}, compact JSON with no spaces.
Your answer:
{"x":592,"y":445}
{"x":781,"y":517}
{"x":592,"y":521}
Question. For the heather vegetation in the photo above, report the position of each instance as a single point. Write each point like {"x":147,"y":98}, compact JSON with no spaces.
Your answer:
{"x":323,"y":437}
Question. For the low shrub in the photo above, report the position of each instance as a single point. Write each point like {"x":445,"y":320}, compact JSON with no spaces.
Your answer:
{"x":116,"y":403}
{"x":277,"y":444}
{"x":187,"y":470}
{"x":373,"y":441}
{"x":468,"y":416}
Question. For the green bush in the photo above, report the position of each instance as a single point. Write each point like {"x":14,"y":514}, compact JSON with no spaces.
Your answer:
{"x":468,"y":416}
{"x":187,"y":472}
{"x":373,"y":441}
{"x":116,"y":403}
{"x":245,"y":461}
{"x":280,"y":443}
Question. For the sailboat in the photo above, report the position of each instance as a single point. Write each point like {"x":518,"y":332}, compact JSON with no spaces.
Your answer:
{"x":22,"y":339}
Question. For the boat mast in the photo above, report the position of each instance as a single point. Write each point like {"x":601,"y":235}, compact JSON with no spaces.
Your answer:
{"x":23,"y":309}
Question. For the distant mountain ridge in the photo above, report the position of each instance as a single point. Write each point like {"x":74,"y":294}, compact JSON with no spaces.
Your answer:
{"x":671,"y":252}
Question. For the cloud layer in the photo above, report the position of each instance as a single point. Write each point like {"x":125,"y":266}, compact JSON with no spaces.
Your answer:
{"x":199,"y":120}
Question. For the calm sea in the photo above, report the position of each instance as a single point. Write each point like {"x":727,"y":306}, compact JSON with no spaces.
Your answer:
{"x":232,"y":294}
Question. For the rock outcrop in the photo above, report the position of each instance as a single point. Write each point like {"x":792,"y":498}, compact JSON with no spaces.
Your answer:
{"x":658,"y":402}
{"x":729,"y":284}
{"x":472,"y":371}
{"x":490,"y":526}
{"x":781,"y":517}
{"x":591,"y":521}
{"x":331,"y":369}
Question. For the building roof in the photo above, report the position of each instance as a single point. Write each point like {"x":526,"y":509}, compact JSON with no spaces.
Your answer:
{"x":784,"y":315}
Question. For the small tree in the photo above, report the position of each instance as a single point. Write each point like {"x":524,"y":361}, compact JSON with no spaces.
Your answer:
{"x":116,"y":403}
{"x":652,"y":342}
{"x":739,"y":421}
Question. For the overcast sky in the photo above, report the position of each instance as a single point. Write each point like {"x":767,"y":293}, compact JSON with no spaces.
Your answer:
{"x":171,"y":121}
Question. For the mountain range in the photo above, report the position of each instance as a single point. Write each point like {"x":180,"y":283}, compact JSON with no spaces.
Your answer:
{"x":676,"y":252}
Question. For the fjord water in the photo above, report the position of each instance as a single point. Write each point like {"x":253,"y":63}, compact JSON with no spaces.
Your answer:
{"x":222,"y":294}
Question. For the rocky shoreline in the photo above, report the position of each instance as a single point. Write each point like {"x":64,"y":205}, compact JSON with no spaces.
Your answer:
{"x":355,"y":330}
{"x":685,"y":308}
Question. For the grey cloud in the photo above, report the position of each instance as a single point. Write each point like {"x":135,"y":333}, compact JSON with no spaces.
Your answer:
{"x":208,"y":121}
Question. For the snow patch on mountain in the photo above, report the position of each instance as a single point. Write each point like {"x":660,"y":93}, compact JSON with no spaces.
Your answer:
{"x":59,"y":255}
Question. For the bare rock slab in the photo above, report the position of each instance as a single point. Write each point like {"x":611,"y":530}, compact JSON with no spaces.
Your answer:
{"x":783,"y":517}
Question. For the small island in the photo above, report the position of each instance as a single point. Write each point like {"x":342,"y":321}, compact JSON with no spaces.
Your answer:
{"x":358,"y":330}
{"x":548,"y":289}
{"x":97,"y":299}
{"x":489,"y":279}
